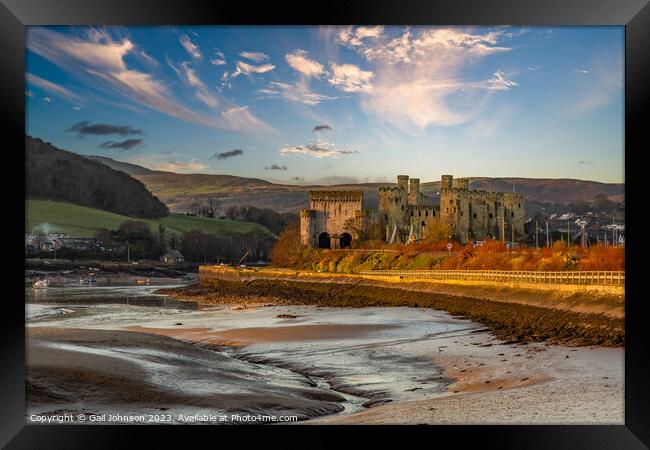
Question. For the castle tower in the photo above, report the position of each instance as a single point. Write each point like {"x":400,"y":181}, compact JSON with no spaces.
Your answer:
{"x":447,"y":182}
{"x":414,"y":191}
{"x":402,"y":182}
{"x":463,"y":183}
{"x":454,"y":208}
{"x":308,"y":227}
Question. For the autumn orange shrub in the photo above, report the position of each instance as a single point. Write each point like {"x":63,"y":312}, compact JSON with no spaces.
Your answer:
{"x":492,"y":255}
{"x":600,"y":257}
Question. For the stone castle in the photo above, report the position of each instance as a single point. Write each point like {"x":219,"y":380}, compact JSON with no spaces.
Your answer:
{"x":404,"y":213}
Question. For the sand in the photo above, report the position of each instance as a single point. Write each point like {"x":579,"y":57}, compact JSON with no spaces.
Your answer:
{"x":513,"y":384}
{"x":243,"y":336}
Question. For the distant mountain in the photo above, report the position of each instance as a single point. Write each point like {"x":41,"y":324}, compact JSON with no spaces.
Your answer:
{"x":554,"y":190}
{"x":179,"y":191}
{"x":56,"y":174}
{"x":128,"y":168}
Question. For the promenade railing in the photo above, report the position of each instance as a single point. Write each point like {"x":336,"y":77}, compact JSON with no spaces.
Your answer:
{"x":599,"y":277}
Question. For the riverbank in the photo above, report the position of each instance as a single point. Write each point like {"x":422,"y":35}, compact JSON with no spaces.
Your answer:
{"x":512,"y":385}
{"x":100,"y":372}
{"x":105,"y":273}
{"x":484,"y":380}
{"x":511,"y":321}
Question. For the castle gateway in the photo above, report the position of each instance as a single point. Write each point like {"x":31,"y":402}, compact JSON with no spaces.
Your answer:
{"x":328,"y":223}
{"x":404,"y":213}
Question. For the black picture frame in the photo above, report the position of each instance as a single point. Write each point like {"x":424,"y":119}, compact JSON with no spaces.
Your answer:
{"x":633,"y":14}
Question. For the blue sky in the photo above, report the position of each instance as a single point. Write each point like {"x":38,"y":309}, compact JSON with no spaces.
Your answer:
{"x":304,"y":104}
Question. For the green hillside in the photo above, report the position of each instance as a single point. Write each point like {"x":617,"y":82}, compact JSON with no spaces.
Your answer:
{"x":81,"y":221}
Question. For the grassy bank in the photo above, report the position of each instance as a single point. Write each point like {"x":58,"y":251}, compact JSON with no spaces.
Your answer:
{"x":511,"y":322}
{"x":491,"y":256}
{"x":80,"y":221}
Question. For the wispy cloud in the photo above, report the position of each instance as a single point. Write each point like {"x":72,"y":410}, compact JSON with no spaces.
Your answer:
{"x":188,"y":75}
{"x":587,"y":162}
{"x":127,"y":144}
{"x":99,"y":59}
{"x":52,"y":88}
{"x":300,"y":62}
{"x":102,"y":129}
{"x":415,"y":74}
{"x":190,"y":47}
{"x":298,"y":91}
{"x":244,"y":68}
{"x":228,"y":154}
{"x":350,"y":78}
{"x":219,"y":59}
{"x":255,"y":56}
{"x":318,"y":148}
{"x":295,"y":92}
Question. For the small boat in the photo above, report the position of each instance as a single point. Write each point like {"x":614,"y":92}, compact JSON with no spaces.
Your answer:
{"x":141,"y":281}
{"x":40,"y":284}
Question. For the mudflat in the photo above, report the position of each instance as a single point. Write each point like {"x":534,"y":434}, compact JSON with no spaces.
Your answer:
{"x":99,"y":371}
{"x":510,"y":321}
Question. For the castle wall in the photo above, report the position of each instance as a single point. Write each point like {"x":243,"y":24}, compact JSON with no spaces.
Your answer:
{"x":471,"y":214}
{"x":421,"y":216}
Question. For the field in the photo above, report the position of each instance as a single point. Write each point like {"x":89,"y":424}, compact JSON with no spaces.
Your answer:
{"x":80,"y":221}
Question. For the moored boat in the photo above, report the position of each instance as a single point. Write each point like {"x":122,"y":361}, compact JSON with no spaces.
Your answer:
{"x":40,"y":284}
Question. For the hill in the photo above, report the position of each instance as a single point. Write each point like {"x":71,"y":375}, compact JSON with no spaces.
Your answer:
{"x":179,"y":191}
{"x":127,"y":168}
{"x":552,"y":190}
{"x":81,"y":221}
{"x":56,"y":174}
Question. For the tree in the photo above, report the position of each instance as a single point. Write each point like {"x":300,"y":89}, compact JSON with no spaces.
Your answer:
{"x":286,"y":251}
{"x":212,"y":205}
{"x":105,"y":236}
{"x":437,"y":231}
{"x":199,"y":246}
{"x":138,"y":236}
{"x":161,"y":236}
{"x":366,"y":227}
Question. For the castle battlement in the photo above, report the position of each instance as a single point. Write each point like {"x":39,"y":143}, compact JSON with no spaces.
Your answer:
{"x":336,"y":195}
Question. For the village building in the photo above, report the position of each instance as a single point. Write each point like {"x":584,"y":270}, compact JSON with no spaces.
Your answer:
{"x":173,"y":257}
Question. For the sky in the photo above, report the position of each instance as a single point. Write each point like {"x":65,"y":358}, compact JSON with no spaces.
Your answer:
{"x":334,"y":104}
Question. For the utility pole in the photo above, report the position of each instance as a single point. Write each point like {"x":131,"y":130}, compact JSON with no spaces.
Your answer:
{"x":536,"y":234}
{"x":512,"y":229}
{"x":503,"y":226}
{"x":568,"y":233}
{"x":548,"y":239}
